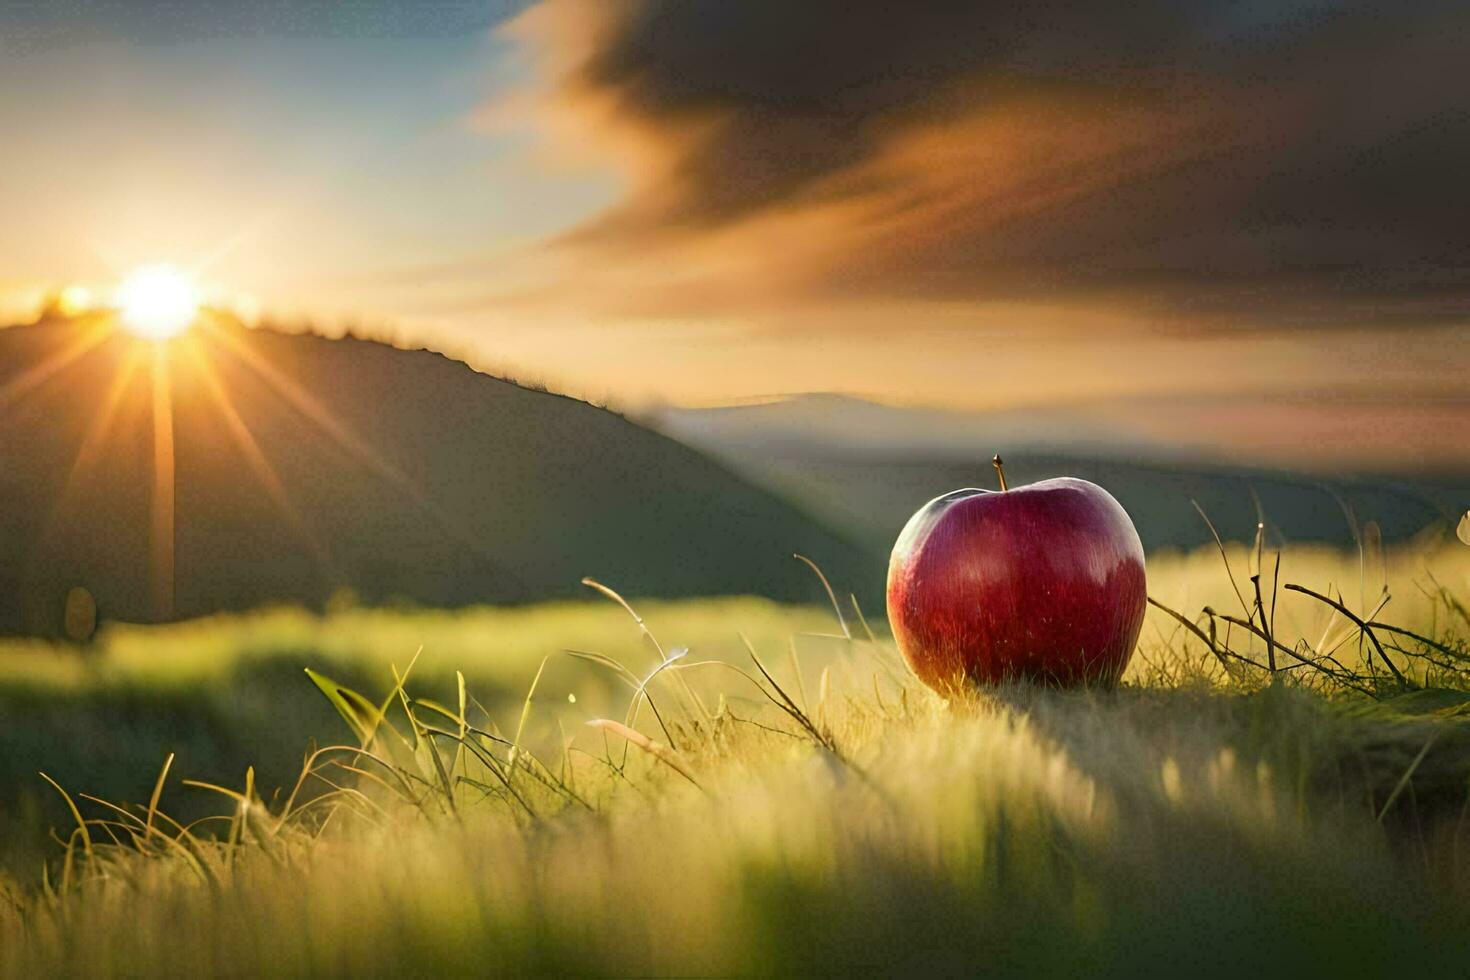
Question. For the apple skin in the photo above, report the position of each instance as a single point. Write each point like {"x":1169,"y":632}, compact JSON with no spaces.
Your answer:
{"x":1042,"y":583}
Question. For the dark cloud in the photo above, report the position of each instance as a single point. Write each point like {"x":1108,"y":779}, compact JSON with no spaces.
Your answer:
{"x":1286,"y":161}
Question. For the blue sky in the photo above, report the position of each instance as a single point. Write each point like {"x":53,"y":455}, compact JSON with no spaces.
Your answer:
{"x":323,"y":158}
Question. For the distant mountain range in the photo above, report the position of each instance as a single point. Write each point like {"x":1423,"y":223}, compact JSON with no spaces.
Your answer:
{"x":301,"y":467}
{"x":866,"y":467}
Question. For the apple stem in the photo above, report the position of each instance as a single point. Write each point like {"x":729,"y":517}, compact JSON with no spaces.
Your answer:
{"x":1000,"y":470}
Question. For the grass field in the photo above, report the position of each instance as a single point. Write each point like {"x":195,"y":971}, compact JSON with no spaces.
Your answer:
{"x":812,"y":811}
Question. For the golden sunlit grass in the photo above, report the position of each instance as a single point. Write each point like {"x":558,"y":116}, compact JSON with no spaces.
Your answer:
{"x":793,"y":804}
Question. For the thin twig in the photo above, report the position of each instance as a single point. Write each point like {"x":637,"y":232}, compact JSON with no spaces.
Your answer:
{"x":1373,"y":637}
{"x":1208,"y":641}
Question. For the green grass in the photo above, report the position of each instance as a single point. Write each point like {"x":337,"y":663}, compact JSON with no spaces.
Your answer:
{"x":230,"y":692}
{"x":817,"y":813}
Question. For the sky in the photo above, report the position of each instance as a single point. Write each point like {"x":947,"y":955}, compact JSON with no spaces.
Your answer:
{"x":1228,"y":223}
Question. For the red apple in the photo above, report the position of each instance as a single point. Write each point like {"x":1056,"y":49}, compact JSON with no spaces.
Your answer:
{"x":1042,"y":582}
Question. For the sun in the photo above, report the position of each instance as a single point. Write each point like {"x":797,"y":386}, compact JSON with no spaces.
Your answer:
{"x":157,"y":302}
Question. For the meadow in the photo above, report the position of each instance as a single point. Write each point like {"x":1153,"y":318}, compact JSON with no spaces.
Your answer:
{"x":735,"y":786}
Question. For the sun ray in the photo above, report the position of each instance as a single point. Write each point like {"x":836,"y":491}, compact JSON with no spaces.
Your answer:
{"x":93,"y":443}
{"x":161,"y":551}
{"x":96,"y":437}
{"x":28,"y":381}
{"x":309,"y":406}
{"x":248,"y":230}
{"x":264,"y":471}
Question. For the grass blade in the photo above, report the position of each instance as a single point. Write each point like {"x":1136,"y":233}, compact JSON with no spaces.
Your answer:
{"x":76,"y":815}
{"x":659,"y":751}
{"x":157,"y":792}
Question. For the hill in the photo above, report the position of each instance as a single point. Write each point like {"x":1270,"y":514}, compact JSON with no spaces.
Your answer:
{"x":866,"y":467}
{"x":301,"y":467}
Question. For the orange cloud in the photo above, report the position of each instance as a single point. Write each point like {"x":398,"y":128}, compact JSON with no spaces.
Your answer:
{"x":1169,"y":160}
{"x":1210,"y":225}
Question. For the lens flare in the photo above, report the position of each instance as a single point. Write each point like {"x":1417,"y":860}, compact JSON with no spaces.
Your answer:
{"x":74,"y":300}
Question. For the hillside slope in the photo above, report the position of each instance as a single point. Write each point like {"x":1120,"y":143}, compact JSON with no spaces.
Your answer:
{"x":304,"y":466}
